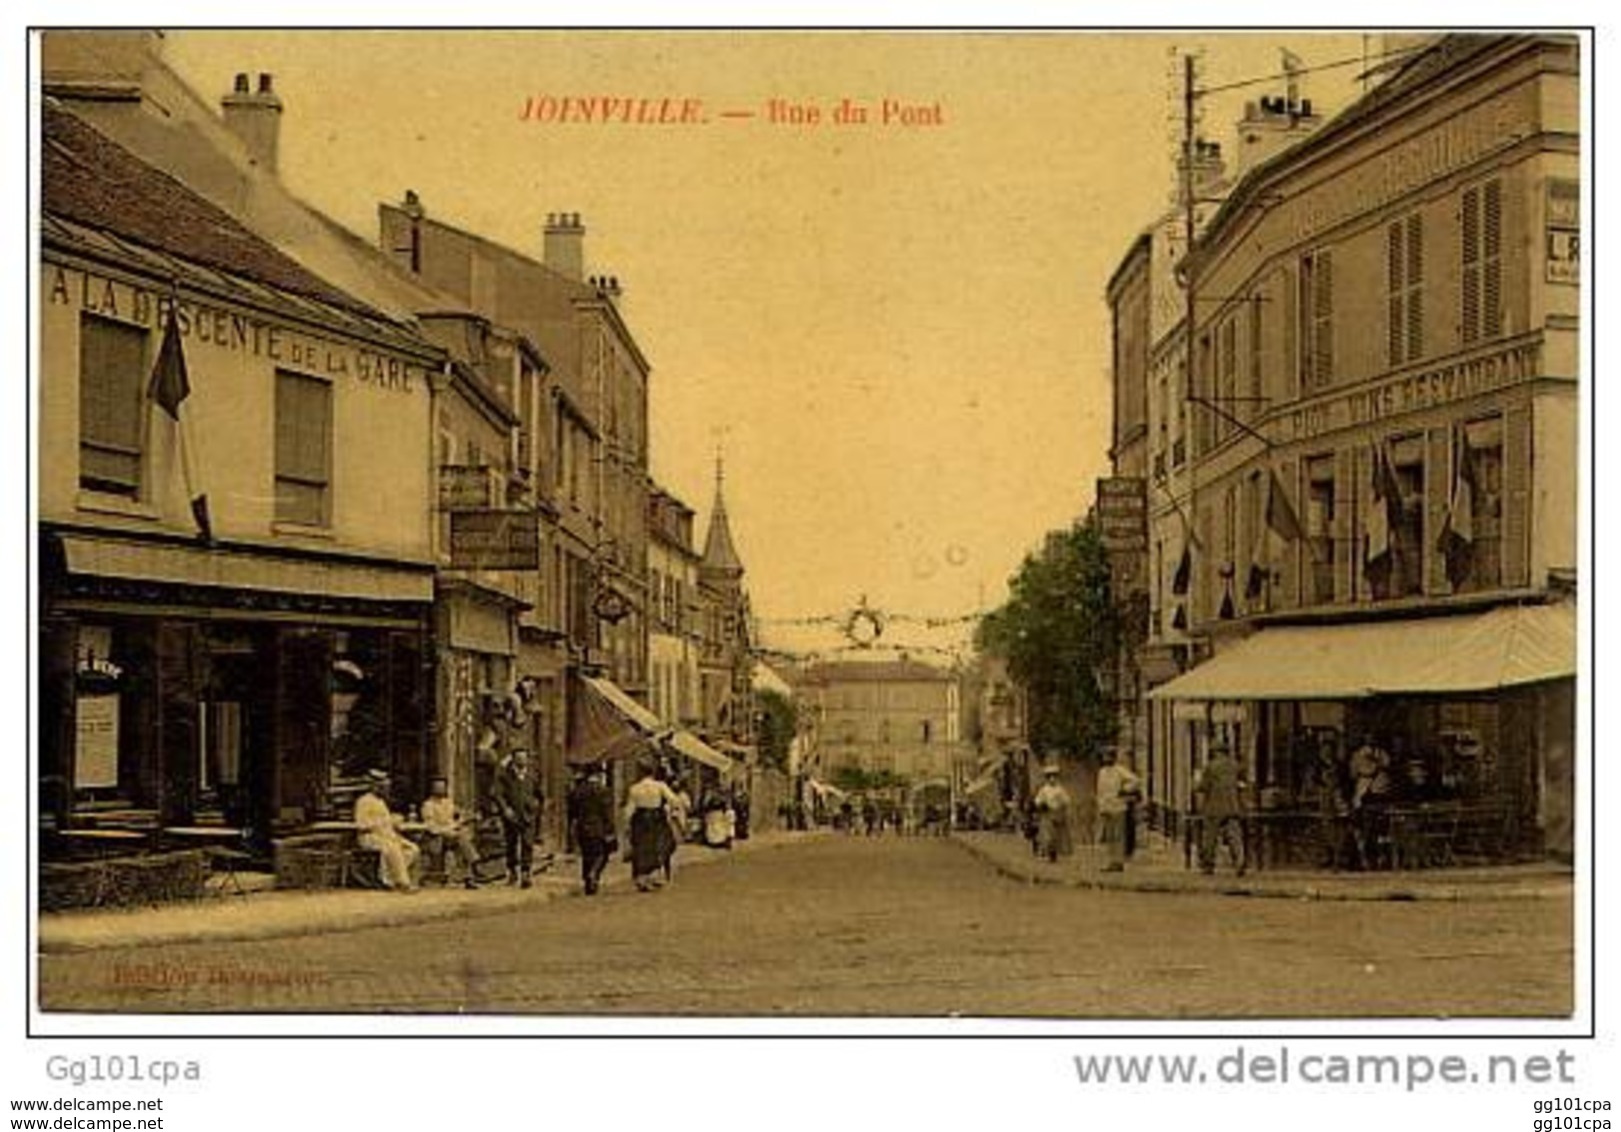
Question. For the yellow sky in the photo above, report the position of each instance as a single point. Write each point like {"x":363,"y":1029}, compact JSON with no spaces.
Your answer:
{"x":900,"y":329}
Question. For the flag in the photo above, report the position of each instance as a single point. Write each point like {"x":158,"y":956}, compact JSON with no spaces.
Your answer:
{"x":1280,"y":516}
{"x":1255,"y":580}
{"x":1458,"y":531}
{"x":1179,"y":619}
{"x":1184,"y":572}
{"x":199,"y":512}
{"x":1385,"y":497}
{"x":169,"y":385}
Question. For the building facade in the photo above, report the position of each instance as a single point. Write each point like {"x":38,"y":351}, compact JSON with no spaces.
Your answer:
{"x":674,"y":639}
{"x":236,"y":579}
{"x":901,"y":717}
{"x":1392,"y":342}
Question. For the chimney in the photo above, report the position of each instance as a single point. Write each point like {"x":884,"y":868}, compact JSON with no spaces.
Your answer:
{"x":254,"y":116}
{"x":1272,"y":126}
{"x":1208,"y":170}
{"x":565,"y":244}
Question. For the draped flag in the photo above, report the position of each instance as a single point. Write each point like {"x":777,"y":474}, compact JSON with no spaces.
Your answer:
{"x":1458,"y":531}
{"x":169,"y":387}
{"x":1184,"y":572}
{"x":1386,"y":498}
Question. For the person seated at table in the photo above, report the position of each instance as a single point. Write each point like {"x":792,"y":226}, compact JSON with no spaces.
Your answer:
{"x":442,"y":822}
{"x":378,"y":829}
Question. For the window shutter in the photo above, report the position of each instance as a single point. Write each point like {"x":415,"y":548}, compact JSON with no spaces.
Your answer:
{"x":1437,"y":492}
{"x":1323,"y":318}
{"x":1492,"y":259}
{"x":1347,"y":555}
{"x":1470,"y":330}
{"x":1415,"y":287}
{"x":410,"y":706}
{"x":1395,"y":282}
{"x":1517,"y":464}
{"x":1285,"y":367}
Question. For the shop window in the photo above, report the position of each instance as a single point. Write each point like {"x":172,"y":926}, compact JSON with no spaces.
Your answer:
{"x":1404,"y":262}
{"x":1482,"y":230}
{"x":303,"y":450}
{"x":1316,"y":315}
{"x":112,"y":364}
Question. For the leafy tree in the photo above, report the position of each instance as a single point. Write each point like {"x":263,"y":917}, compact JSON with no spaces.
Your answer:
{"x":778,"y":721}
{"x":1060,"y":633}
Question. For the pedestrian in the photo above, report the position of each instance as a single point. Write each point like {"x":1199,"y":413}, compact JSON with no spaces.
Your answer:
{"x":447,"y":832}
{"x":869,"y":817}
{"x":718,"y":819}
{"x":1218,"y":801}
{"x":675,"y":820}
{"x":591,"y":815}
{"x":647,"y":819}
{"x":378,"y":829}
{"x":1054,"y":812}
{"x":1116,"y":785}
{"x":740,"y":806}
{"x":517,"y":800}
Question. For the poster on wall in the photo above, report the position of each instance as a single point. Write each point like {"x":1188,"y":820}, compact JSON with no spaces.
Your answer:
{"x":95,"y":761}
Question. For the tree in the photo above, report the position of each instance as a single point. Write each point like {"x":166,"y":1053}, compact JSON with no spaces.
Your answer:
{"x":1060,"y":633}
{"x":778,"y":722}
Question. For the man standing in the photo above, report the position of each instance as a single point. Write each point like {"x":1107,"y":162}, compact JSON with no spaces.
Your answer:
{"x":441,"y":821}
{"x":1117,"y":786}
{"x":1218,"y":800}
{"x":591,"y":810}
{"x":378,"y":829}
{"x":517,"y":799}
{"x":1054,"y":814}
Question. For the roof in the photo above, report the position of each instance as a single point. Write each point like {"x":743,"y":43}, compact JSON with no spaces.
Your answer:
{"x":720,"y":553}
{"x":1425,"y":65}
{"x":1504,"y":647}
{"x":87,"y":178}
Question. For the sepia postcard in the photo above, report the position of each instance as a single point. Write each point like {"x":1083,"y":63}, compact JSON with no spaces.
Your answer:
{"x":942,"y":528}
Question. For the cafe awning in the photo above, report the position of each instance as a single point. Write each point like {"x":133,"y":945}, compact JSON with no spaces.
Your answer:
{"x":1478,"y":652}
{"x":610,"y":724}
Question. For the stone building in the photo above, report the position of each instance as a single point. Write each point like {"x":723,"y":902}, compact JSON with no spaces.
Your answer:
{"x":900,"y":716}
{"x":1383,"y":515}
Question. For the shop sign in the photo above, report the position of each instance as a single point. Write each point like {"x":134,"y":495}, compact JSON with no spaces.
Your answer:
{"x":495,"y":539}
{"x":1122,"y":513}
{"x":1411,"y":393}
{"x":464,"y":487}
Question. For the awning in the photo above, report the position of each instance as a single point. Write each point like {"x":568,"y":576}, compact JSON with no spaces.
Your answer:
{"x":699,"y":751}
{"x":610,"y":724}
{"x":1507,"y":646}
{"x":988,"y":777}
{"x":244,"y":570}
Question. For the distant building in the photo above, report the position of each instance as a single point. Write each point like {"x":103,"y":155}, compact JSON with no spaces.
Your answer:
{"x":903,"y":717}
{"x":726,"y":665}
{"x":674,"y":638}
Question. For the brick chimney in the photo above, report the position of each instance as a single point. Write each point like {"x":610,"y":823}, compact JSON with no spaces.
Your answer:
{"x":254,"y":116}
{"x":565,"y":244}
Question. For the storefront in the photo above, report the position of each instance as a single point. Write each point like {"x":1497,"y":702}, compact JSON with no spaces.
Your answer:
{"x":1464,"y":724}
{"x":227,"y":685}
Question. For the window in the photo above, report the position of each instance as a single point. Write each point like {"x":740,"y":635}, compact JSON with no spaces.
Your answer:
{"x":1405,"y":573}
{"x":1482,"y":224}
{"x":303,"y":449}
{"x":1316,"y":320}
{"x":1319,"y":523}
{"x":1227,"y":379}
{"x":1404,"y":262}
{"x":1484,"y":453}
{"x":1252,"y":406}
{"x":112,"y":363}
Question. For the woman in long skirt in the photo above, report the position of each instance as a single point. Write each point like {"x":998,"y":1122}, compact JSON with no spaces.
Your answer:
{"x":647,"y":811}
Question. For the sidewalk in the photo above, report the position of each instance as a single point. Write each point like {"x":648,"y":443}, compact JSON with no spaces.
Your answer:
{"x":270,"y":913}
{"x":1158,"y":866}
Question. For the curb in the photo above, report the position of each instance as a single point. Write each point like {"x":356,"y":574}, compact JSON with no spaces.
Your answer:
{"x":1302,"y":889}
{"x":470,"y":905}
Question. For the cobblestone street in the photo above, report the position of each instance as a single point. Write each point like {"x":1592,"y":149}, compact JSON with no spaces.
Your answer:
{"x":881,"y":926}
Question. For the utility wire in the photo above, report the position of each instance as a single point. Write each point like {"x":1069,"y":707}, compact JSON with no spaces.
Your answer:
{"x":1363,"y":59}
